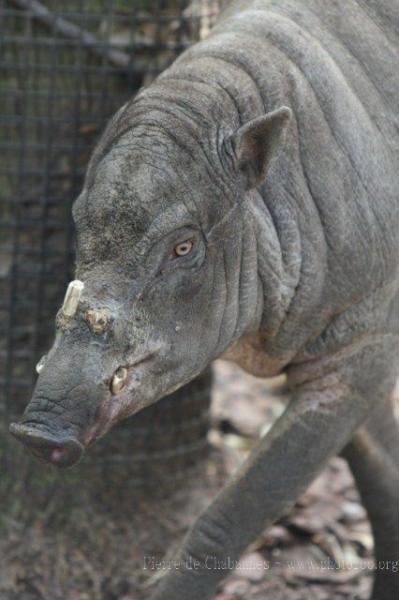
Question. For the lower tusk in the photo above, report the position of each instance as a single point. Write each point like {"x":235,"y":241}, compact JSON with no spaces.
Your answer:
{"x":119,"y":380}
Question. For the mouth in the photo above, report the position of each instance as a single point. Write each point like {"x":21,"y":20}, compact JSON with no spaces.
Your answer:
{"x":62,"y":451}
{"x":127,"y":374}
{"x":117,"y":405}
{"x":56,"y":442}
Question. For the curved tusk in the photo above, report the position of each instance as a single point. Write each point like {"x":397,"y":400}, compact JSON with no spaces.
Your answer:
{"x":72,"y":298}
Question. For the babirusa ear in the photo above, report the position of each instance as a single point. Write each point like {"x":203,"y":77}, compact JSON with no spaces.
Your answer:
{"x":256,"y":142}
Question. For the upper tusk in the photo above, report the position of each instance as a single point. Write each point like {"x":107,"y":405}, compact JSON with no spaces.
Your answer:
{"x":40,"y":364}
{"x":72,"y":298}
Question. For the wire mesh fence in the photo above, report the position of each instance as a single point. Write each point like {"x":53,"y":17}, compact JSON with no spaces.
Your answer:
{"x":65,"y":68}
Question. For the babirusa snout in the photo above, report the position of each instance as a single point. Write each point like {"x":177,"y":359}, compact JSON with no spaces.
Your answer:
{"x":72,"y":386}
{"x":54,"y":447}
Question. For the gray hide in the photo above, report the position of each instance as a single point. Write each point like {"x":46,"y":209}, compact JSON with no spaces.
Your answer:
{"x":246,"y":205}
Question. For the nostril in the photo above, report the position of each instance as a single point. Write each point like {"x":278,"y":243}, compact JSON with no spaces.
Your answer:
{"x":58,"y":455}
{"x":57,"y":450}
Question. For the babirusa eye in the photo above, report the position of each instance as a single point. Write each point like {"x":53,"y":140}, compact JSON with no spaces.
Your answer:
{"x":183,"y":248}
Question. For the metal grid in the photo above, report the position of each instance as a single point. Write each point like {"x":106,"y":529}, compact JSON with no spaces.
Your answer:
{"x":65,"y":67}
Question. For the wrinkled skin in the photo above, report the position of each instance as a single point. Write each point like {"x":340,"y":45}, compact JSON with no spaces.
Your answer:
{"x":270,"y":151}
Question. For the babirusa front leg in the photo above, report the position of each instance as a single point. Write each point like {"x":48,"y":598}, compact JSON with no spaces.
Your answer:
{"x":319,"y":421}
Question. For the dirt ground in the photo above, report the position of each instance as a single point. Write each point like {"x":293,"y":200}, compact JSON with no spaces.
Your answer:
{"x":104,"y":547}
